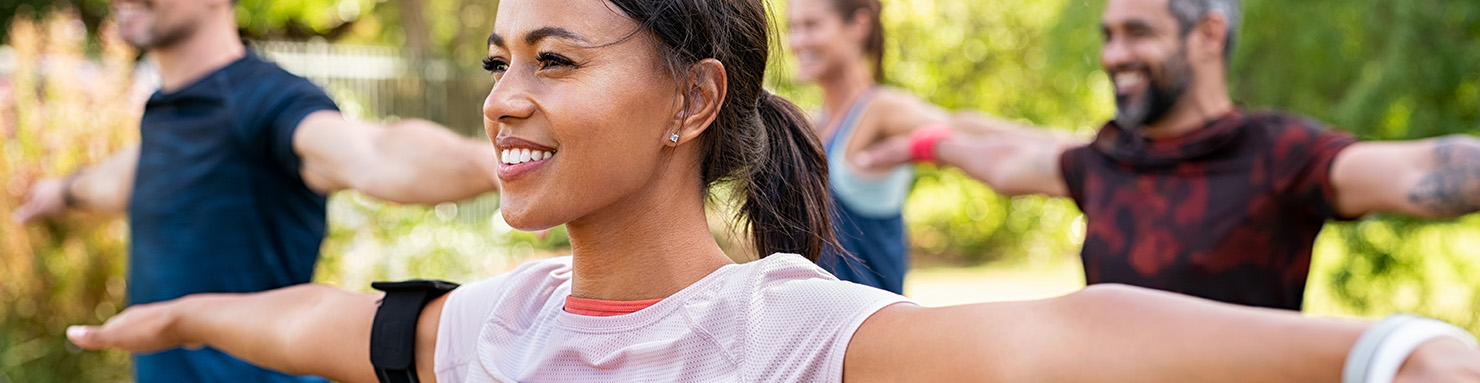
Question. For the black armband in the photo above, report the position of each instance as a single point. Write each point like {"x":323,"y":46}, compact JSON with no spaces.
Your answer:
{"x":393,"y":334}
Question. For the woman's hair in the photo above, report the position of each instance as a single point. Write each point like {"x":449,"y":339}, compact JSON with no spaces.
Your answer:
{"x":873,"y":46}
{"x":762,"y":142}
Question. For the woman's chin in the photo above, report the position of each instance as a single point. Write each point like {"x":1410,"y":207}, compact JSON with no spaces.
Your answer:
{"x":524,"y":220}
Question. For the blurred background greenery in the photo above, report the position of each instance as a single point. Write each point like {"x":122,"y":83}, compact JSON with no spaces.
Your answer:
{"x":1379,"y":69}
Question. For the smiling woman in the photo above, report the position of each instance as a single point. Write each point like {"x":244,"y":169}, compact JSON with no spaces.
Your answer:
{"x":642,"y":107}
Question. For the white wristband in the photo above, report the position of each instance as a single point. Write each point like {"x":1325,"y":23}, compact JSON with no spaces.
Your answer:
{"x":1384,"y":347}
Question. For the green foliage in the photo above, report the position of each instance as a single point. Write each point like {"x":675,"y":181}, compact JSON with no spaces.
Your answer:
{"x":266,"y":18}
{"x":370,"y":240}
{"x":70,"y":270}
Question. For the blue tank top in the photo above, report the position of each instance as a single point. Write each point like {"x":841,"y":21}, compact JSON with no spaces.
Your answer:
{"x":866,"y":213}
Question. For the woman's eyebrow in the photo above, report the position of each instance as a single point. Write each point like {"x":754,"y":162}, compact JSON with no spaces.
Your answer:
{"x":534,"y":37}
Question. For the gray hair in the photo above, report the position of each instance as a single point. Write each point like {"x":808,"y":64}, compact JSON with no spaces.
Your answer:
{"x":1190,"y":12}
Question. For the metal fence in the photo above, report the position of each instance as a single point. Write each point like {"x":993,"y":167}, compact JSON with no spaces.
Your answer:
{"x":377,"y":83}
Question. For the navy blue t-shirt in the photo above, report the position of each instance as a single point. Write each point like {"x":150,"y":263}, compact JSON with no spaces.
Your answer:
{"x":219,"y":204}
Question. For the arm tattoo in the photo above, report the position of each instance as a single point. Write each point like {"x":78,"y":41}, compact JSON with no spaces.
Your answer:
{"x":1452,"y":187}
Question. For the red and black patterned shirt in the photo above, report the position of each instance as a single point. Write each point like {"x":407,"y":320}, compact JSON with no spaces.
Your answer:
{"x":1228,"y":212}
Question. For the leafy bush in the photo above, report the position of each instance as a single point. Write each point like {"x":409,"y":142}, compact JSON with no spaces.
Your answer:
{"x":61,"y":110}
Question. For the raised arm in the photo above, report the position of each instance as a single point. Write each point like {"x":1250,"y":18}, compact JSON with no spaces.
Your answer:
{"x":304,"y":329}
{"x":1109,"y":333}
{"x":1011,"y":158}
{"x":1432,"y":178}
{"x":411,"y":161}
{"x":103,"y":188}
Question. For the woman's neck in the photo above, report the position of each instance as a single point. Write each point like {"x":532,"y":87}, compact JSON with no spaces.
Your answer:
{"x":647,"y":246}
{"x":841,"y":87}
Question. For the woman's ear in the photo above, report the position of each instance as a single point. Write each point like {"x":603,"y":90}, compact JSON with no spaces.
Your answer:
{"x":704,"y":95}
{"x":860,"y":24}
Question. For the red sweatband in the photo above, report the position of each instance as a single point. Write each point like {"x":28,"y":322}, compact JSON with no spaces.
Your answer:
{"x":923,"y":140}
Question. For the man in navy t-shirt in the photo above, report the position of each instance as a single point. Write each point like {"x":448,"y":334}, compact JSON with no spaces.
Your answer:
{"x":226,"y":191}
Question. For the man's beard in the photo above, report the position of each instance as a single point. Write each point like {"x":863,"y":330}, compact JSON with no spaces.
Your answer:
{"x":1160,"y":96}
{"x":160,"y":37}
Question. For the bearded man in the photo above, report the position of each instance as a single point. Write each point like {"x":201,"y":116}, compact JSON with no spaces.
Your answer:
{"x":1184,"y":191}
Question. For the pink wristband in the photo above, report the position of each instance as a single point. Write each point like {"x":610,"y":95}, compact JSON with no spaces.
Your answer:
{"x":923,"y":140}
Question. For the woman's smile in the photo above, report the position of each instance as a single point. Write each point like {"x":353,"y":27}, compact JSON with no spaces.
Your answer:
{"x":519,"y":157}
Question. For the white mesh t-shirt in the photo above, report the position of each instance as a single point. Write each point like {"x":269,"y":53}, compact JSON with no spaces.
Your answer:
{"x":778,"y":319}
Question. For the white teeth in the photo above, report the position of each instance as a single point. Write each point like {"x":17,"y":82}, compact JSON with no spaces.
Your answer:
{"x":1126,"y":80}
{"x":519,"y":156}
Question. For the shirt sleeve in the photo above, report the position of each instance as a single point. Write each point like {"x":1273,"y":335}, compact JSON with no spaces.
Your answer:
{"x":299,"y":99}
{"x":463,"y":315}
{"x":1071,"y":168}
{"x":799,"y":330}
{"x":1303,"y":152}
{"x":518,"y":294}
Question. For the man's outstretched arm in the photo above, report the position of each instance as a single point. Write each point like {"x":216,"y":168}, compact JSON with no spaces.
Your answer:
{"x":1431,"y":178}
{"x":410,"y":161}
{"x":103,"y":188}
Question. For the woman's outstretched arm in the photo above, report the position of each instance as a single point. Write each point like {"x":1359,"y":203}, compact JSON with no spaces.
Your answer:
{"x":305,"y":329}
{"x":1109,"y":333}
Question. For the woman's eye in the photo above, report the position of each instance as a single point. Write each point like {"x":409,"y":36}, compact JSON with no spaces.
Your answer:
{"x":495,"y":66}
{"x":551,"y":60}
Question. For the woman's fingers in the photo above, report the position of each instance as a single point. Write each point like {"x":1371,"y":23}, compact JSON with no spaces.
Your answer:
{"x":142,"y":328}
{"x":83,"y":336}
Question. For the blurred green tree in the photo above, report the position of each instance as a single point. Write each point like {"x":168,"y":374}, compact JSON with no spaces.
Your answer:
{"x":69,"y":270}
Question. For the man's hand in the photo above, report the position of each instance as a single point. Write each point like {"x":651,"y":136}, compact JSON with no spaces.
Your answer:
{"x":1441,"y":361}
{"x":47,"y":198}
{"x":140,"y":328}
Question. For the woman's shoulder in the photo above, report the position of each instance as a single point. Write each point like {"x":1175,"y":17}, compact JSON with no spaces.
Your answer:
{"x":897,"y":110}
{"x":889,"y":97}
{"x":514,"y":298}
{"x":791,"y":277}
{"x":788,"y":289}
{"x":554,"y":270}
{"x":799,"y":316}
{"x":522,"y":292}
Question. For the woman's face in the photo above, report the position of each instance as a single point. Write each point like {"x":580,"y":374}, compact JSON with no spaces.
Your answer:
{"x":822,"y":40}
{"x":579,"y":112}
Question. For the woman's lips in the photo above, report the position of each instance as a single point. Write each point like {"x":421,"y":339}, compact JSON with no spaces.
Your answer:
{"x":519,"y":157}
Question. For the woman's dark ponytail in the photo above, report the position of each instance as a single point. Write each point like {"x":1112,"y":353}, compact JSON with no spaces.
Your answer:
{"x":759,"y":142}
{"x":786,"y":189}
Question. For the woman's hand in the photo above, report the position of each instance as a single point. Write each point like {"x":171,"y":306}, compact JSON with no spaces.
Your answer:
{"x":140,"y":328}
{"x":302,"y":330}
{"x":1441,"y":361}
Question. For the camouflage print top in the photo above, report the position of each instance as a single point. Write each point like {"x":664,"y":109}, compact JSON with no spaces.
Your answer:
{"x":1229,"y":212}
